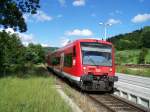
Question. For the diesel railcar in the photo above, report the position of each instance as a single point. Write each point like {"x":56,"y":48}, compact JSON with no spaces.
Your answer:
{"x":89,"y":63}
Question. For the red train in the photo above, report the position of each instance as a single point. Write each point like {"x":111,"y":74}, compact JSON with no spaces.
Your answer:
{"x":87,"y":62}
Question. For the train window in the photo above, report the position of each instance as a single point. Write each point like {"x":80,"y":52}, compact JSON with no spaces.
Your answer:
{"x":74,"y":51}
{"x":68,"y":60}
{"x":95,"y":44}
{"x":96,"y":54}
{"x":55,"y":60}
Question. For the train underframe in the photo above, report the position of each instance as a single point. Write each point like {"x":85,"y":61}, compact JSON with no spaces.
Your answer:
{"x":97,"y":83}
{"x":92,"y":82}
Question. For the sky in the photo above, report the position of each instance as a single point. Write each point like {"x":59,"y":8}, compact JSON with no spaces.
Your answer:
{"x":58,"y":21}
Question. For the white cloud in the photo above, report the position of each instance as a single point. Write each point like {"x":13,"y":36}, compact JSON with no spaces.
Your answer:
{"x":44,"y":45}
{"x":77,"y":32}
{"x":141,"y":18}
{"x":64,"y":41}
{"x":25,"y":38}
{"x":62,"y":2}
{"x":8,"y":30}
{"x":113,"y":21}
{"x":40,"y":16}
{"x":26,"y":16}
{"x":78,"y":3}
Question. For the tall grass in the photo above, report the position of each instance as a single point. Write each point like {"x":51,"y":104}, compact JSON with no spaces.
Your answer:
{"x":36,"y":94}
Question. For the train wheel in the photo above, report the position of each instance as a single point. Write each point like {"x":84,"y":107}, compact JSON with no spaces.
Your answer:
{"x":82,"y":89}
{"x":111,"y":86}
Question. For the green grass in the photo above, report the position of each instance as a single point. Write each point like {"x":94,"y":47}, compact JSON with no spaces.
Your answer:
{"x":36,"y":94}
{"x":134,"y":71}
{"x":130,"y":56}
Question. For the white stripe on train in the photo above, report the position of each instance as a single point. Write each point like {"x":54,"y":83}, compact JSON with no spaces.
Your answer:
{"x":75,"y":78}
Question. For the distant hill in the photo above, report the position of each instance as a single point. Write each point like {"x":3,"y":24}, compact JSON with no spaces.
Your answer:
{"x":134,"y":40}
{"x":50,"y":49}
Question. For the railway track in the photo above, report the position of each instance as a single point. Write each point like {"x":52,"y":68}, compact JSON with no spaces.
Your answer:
{"x":108,"y":102}
{"x":115,"y":104}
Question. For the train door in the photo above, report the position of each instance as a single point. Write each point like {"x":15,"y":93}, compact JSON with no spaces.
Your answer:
{"x":62,"y":62}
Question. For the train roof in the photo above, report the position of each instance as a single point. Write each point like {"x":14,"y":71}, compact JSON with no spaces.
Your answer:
{"x":93,"y":40}
{"x":83,"y":40}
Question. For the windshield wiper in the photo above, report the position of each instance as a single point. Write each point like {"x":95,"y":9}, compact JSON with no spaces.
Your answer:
{"x":91,"y":60}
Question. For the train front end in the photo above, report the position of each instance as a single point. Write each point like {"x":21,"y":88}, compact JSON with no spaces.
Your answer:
{"x":98,"y":67}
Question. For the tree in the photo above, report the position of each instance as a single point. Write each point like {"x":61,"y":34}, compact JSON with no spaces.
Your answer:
{"x":35,"y":54}
{"x":11,"y":52}
{"x":142,"y":55}
{"x":14,"y":57}
{"x":11,"y":13}
{"x":134,"y":40}
{"x":146,"y":39}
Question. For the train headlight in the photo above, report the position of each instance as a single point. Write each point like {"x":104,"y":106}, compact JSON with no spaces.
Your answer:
{"x":74,"y":62}
{"x":110,"y":70}
{"x":84,"y":70}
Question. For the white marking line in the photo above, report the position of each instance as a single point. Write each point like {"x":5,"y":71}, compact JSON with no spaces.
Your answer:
{"x":69,"y":101}
{"x":68,"y":75}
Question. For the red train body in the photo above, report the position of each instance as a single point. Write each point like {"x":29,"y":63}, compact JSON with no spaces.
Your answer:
{"x":87,"y":62}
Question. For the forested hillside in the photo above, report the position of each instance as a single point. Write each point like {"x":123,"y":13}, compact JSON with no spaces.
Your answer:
{"x":134,"y":40}
{"x":50,"y":49}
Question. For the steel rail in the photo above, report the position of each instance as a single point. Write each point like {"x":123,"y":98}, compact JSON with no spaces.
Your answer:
{"x":115,"y":104}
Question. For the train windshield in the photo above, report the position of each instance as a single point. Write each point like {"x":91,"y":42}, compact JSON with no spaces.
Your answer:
{"x":96,"y":54}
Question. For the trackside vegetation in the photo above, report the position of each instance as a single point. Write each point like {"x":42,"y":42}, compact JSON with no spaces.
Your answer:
{"x":133,"y":56}
{"x":15,"y":57}
{"x":35,"y":94}
{"x":25,"y":85}
{"x":133,"y":48}
{"x":140,"y":71}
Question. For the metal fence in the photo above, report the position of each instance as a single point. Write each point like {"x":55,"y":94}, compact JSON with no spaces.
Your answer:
{"x":134,"y":88}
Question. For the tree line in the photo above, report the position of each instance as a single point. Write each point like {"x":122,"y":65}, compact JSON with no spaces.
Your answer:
{"x":135,"y":40}
{"x":15,"y":57}
{"x":139,"y":39}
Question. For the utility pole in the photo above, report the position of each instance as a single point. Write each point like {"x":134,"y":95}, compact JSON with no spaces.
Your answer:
{"x":105,"y":28}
